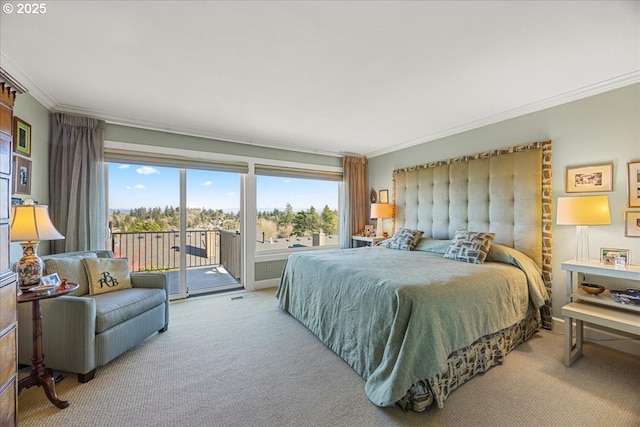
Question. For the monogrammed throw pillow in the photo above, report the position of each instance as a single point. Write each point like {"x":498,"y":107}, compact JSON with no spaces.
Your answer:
{"x":107,"y":274}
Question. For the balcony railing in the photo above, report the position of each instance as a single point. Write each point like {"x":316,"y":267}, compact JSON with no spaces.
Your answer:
{"x":160,"y":251}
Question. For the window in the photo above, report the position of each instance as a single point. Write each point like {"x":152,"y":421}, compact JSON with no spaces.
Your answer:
{"x":294,"y":211}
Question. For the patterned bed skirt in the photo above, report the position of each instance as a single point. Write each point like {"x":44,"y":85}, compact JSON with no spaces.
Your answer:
{"x":466,"y":363}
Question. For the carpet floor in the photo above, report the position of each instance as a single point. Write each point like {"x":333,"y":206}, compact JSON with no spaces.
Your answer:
{"x":229,"y":361}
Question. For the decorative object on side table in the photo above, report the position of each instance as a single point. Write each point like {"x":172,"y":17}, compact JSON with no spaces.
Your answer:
{"x":29,"y":225}
{"x":48,"y":285}
{"x":368,"y":230}
{"x":590,"y":179}
{"x":583,"y":212}
{"x":629,"y":296}
{"x":633,"y":186}
{"x":608,"y":255}
{"x":591,"y":288}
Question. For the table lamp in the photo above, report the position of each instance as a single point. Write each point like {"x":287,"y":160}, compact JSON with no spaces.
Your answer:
{"x":583,"y":212}
{"x":379,"y":211}
{"x":29,"y":225}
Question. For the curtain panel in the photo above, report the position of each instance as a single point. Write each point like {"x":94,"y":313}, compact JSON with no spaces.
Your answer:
{"x":354,"y":209}
{"x":76,"y":182}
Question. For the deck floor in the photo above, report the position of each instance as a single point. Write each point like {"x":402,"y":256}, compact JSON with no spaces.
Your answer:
{"x":211,"y":278}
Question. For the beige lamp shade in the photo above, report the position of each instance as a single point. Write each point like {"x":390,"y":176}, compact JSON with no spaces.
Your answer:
{"x":589,"y":210}
{"x":29,"y":225}
{"x":381,"y":210}
{"x":32,"y":223}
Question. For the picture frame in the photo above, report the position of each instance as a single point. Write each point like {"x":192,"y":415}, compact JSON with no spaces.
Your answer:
{"x":50,"y":280}
{"x":16,"y":201}
{"x":21,"y":137}
{"x":632,"y":224}
{"x":633,"y":185}
{"x":21,"y":175}
{"x":384,"y":196}
{"x":368,"y":230}
{"x":608,"y":255}
{"x":590,"y":179}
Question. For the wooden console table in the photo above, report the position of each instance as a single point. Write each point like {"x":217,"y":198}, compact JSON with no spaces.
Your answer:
{"x":41,"y":375}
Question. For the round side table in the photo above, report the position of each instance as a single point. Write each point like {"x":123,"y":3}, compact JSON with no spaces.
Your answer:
{"x":41,"y":375}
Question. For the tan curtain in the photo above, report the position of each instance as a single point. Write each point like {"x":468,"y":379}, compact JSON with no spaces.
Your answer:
{"x":354,"y":209}
{"x":76,"y":183}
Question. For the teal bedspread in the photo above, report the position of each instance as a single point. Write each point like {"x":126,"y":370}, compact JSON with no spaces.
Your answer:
{"x":395,"y":316}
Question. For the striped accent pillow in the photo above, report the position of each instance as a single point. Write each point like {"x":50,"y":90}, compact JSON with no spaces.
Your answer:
{"x":70,"y":268}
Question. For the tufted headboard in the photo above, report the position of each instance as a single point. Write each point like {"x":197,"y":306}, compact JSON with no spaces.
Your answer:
{"x":506,"y":192}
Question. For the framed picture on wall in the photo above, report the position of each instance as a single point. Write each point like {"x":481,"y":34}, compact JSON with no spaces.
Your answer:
{"x":21,"y":175}
{"x":632,"y":224}
{"x":633,"y":186}
{"x":384,"y":196}
{"x":590,"y":179}
{"x":21,"y":137}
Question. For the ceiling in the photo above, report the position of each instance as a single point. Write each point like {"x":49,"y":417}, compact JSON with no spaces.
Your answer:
{"x":325,"y":77}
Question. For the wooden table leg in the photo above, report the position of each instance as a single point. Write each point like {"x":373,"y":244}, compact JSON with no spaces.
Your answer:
{"x":41,"y":375}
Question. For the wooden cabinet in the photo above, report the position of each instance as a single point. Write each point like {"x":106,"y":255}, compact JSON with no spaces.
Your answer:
{"x":8,"y":279}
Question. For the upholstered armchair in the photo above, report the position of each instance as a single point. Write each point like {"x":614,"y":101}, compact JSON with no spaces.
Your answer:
{"x":80,"y":331}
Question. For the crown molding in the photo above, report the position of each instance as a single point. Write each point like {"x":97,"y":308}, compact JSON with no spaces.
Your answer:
{"x":11,"y":82}
{"x":29,"y":85}
{"x":554,"y":101}
{"x":41,"y":96}
{"x":188,"y":131}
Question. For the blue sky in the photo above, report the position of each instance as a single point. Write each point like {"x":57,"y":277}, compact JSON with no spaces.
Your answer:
{"x":134,"y":186}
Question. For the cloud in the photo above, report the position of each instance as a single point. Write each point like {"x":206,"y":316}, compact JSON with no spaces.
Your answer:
{"x":207,"y":183}
{"x":231,"y":193}
{"x":147,"y":170}
{"x":128,"y":187}
{"x":123,"y":166}
{"x":286,"y":181}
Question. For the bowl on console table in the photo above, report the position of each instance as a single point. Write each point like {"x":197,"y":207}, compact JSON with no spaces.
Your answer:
{"x":591,"y":288}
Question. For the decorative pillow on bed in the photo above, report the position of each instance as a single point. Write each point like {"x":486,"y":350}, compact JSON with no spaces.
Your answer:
{"x":427,"y":244}
{"x":405,"y":239}
{"x":107,"y":274}
{"x":470,"y":246}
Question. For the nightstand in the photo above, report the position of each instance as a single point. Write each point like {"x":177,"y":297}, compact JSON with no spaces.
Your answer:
{"x":600,"y":309}
{"x":370,"y":240}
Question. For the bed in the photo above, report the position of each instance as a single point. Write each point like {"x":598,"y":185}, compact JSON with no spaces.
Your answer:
{"x":416,"y":324}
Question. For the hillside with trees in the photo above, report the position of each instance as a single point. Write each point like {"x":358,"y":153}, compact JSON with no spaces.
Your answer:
{"x":270,"y":224}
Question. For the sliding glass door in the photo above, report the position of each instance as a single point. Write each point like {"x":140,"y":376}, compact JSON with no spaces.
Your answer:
{"x":213,"y":230}
{"x":179,"y":221}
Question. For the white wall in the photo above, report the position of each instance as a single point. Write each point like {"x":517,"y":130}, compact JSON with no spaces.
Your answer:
{"x":600,"y":129}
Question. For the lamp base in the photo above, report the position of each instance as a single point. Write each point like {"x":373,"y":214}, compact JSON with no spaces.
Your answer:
{"x":582,"y":243}
{"x":30,"y":265}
